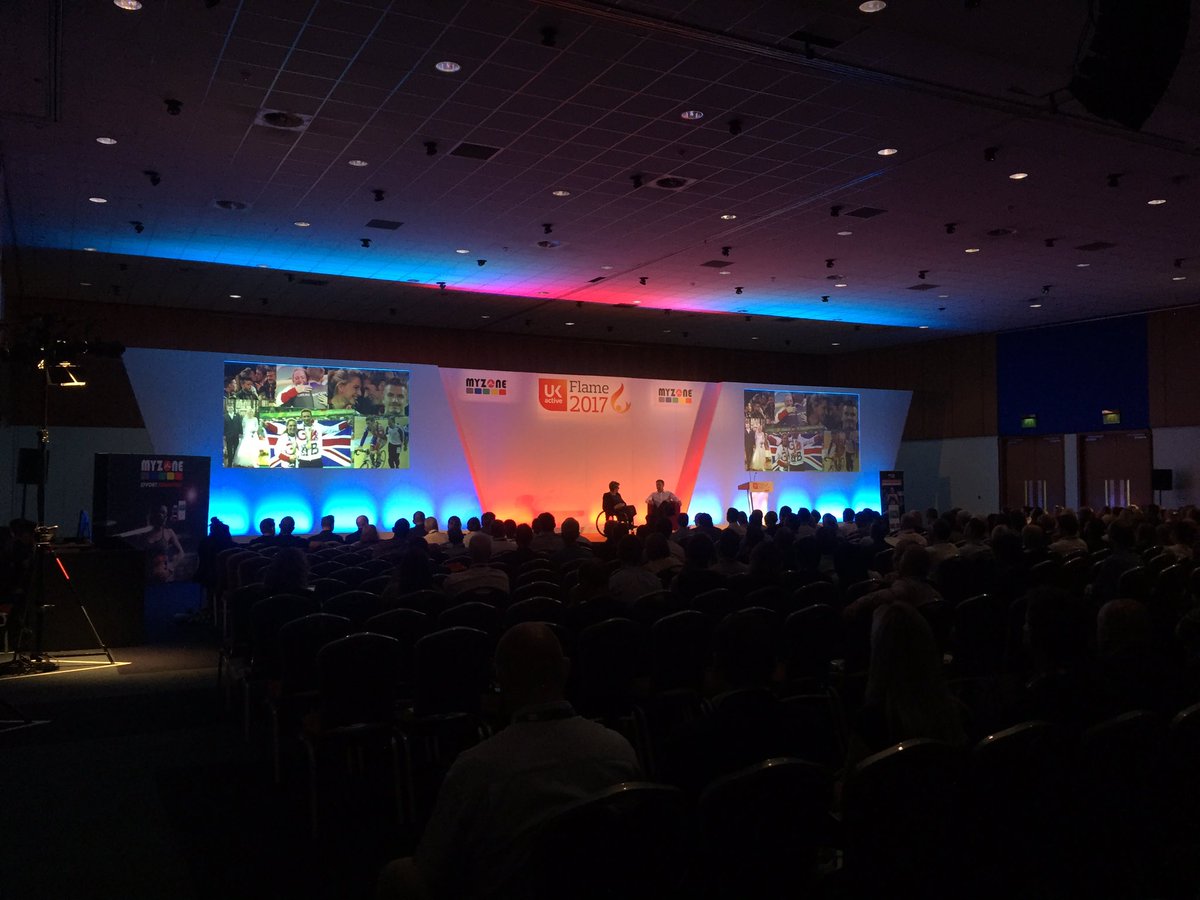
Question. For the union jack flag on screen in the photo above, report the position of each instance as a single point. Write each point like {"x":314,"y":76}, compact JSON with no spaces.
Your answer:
{"x":335,"y":437}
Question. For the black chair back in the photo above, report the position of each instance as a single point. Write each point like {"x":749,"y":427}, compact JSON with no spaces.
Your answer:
{"x":267,"y":616}
{"x":299,"y":643}
{"x":535,"y":609}
{"x":358,"y":678}
{"x":454,"y":669}
{"x":812,"y":640}
{"x":611,"y":655}
{"x":682,"y":650}
{"x":977,"y":637}
{"x":482,"y":616}
{"x":407,"y":626}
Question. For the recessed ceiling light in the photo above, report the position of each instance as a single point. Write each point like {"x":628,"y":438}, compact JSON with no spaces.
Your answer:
{"x":1082,"y":265}
{"x":85,"y":284}
{"x":840,"y":284}
{"x":358,"y":163}
{"x":971,"y":250}
{"x":606,"y":268}
{"x":90,"y":249}
{"x":870,"y":6}
{"x":462,"y":250}
{"x":845,"y":233}
{"x":943,"y":296}
{"x":1019,"y":176}
{"x":561,"y":193}
{"x":263,"y":266}
{"x":485,"y":316}
{"x":922,"y":327}
{"x":131,"y":5}
{"x":106,"y":141}
{"x":637,"y":302}
{"x":666,"y":331}
{"x":724,"y":272}
{"x":1155,"y":202}
{"x":754,"y":339}
{"x":568,"y":323}
{"x":301,"y":224}
{"x":447,"y":65}
{"x":691,"y":115}
{"x":1035,"y":306}
{"x":887,"y":151}
{"x":729,"y":216}
{"x":235,"y":296}
{"x":1179,"y":278}
{"x":836,"y":344}
{"x":97,"y":199}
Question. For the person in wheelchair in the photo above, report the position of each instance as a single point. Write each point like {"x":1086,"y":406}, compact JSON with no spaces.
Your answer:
{"x":615,"y":507}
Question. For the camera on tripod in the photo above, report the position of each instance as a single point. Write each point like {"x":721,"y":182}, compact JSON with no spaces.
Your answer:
{"x":44,"y":534}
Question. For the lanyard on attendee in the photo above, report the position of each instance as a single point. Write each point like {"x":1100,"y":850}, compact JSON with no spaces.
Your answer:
{"x":546,"y":715}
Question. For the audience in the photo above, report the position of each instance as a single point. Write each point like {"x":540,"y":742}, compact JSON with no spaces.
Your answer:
{"x":480,"y":574}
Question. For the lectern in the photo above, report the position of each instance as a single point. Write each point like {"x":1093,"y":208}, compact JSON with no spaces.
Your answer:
{"x":756,"y":493}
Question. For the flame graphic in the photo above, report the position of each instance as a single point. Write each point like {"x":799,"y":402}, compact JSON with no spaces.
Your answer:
{"x":616,"y":406}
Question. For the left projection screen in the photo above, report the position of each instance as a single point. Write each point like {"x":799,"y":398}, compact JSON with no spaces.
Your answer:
{"x":297,"y":415}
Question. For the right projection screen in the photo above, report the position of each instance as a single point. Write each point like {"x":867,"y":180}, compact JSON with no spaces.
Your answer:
{"x":800,"y":431}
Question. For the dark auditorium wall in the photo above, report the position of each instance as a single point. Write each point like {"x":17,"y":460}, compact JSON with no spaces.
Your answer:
{"x":1173,"y":341}
{"x":1067,"y":374}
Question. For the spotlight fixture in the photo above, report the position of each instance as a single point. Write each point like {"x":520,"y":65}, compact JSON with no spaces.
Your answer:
{"x":1050,"y":241}
{"x":549,"y":36}
{"x":872,"y":6}
{"x":447,"y":65}
{"x":951,"y":227}
{"x":106,"y":141}
{"x":561,"y":193}
{"x":358,"y":163}
{"x":463,"y":250}
{"x":1114,"y":179}
{"x":378,"y":194}
{"x":735,"y":127}
{"x":1179,"y":262}
{"x":692,"y":115}
{"x":431,"y":148}
{"x":637,"y":181}
{"x":729,"y":217}
{"x":989,"y":153}
{"x":97,"y":199}
{"x":481,"y":263}
{"x":844,"y":233}
{"x":138,"y":227}
{"x":547,"y":228}
{"x":155,"y":178}
{"x":302,"y":224}
{"x":836,"y":211}
{"x":1155,"y":202}
{"x":725,"y":251}
{"x":1033,"y":303}
{"x":922,"y":273}
{"x":887,"y":151}
{"x":1179,"y":278}
{"x":128,"y":5}
{"x":971,"y":250}
{"x":441,"y":285}
{"x":366,"y":242}
{"x":1046,"y":289}
{"x":642,"y":279}
{"x":738,"y":290}
{"x":829,"y":262}
{"x":174,"y":107}
{"x":1019,"y":176}
{"x":824,"y":298}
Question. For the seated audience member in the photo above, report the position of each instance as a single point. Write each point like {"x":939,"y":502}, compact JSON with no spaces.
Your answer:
{"x":546,"y":759}
{"x":572,"y":546}
{"x":503,"y":537}
{"x":368,"y":538}
{"x":360,"y":522}
{"x":727,"y":550}
{"x":697,"y":575}
{"x":681,"y":532}
{"x":908,"y":586}
{"x":545,"y":541}
{"x":266,"y":533}
{"x":975,"y":539}
{"x":480,"y":574}
{"x":325,"y":536}
{"x":660,"y":562}
{"x":631,"y":580}
{"x":454,"y":547}
{"x":1068,"y":540}
{"x":287,"y":534}
{"x":1134,"y":674}
{"x":703,"y":524}
{"x":1120,"y":560}
{"x":413,"y":572}
{"x":847,"y":526}
{"x":766,"y":564}
{"x":473,"y":525}
{"x":523,"y":536}
{"x":906,"y":695}
{"x":748,"y":724}
{"x":1182,"y":540}
{"x":418,"y":521}
{"x":910,"y":531}
{"x":732,"y":523}
{"x":287,"y":572}
{"x":1034,"y":543}
{"x":941,"y":548}
{"x":432,"y":534}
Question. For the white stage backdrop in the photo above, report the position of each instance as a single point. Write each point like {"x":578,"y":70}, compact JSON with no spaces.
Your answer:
{"x":520,"y":443}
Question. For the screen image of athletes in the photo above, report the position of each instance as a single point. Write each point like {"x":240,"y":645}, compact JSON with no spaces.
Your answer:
{"x":800,"y":431}
{"x":299,"y":416}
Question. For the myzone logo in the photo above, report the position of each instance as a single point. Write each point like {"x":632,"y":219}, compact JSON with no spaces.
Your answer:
{"x":493,"y":387}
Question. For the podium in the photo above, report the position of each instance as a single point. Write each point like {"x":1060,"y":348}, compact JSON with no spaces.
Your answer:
{"x":756,"y":493}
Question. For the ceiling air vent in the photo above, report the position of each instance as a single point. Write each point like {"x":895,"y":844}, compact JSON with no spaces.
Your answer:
{"x":229,"y":205}
{"x":596,"y":280}
{"x":474,"y":151}
{"x":816,"y":40}
{"x":1096,"y":245}
{"x":549,"y":245}
{"x":923,"y":286}
{"x":671,"y":183}
{"x":282,"y":120}
{"x":1001,"y":232}
{"x":866,"y":212}
{"x":717,"y":263}
{"x":386,"y":224}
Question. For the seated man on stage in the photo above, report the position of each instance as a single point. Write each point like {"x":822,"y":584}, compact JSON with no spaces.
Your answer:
{"x":614,"y":506}
{"x":662,"y":503}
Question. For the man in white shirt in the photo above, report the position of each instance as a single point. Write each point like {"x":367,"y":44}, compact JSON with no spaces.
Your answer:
{"x":310,"y":437}
{"x":658,"y":498}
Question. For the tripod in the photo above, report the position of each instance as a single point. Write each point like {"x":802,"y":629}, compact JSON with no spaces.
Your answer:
{"x":35,"y":659}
